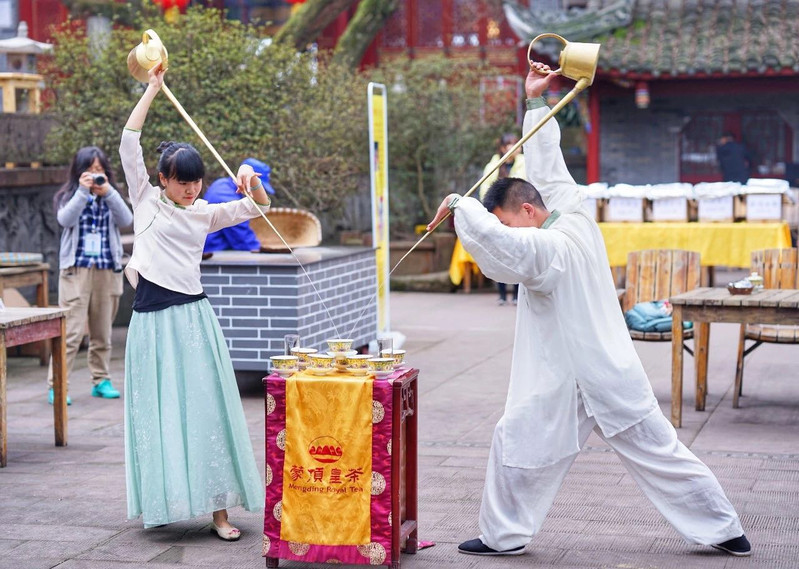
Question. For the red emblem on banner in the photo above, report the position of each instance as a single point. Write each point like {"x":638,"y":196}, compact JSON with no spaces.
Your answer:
{"x":325,"y":449}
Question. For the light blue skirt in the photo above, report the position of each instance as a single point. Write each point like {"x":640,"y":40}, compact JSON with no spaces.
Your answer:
{"x":187,"y":448}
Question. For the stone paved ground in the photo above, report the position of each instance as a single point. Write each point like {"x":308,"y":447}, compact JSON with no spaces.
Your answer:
{"x":65,"y":507}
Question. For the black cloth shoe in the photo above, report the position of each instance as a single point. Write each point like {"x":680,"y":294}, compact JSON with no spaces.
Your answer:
{"x":739,"y":546}
{"x":477,"y":547}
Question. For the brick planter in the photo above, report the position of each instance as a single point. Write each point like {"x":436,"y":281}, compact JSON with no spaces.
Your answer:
{"x":260,"y":297}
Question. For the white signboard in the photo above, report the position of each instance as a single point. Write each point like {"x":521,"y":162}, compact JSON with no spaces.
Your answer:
{"x":761,"y":207}
{"x":715,"y":209}
{"x":625,"y":209}
{"x":670,"y":209}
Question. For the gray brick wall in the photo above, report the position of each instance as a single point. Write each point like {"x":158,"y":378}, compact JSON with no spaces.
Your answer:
{"x":641,"y":146}
{"x":257,"y":303}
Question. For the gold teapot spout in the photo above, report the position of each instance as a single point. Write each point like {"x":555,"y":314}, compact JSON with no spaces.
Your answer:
{"x":577,"y":61}
{"x":149,"y":53}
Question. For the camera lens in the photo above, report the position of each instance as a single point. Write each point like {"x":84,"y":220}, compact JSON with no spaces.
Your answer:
{"x":98,"y":179}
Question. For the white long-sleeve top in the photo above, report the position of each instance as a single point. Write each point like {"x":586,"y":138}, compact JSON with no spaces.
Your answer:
{"x":169,"y":238}
{"x":570,"y":331}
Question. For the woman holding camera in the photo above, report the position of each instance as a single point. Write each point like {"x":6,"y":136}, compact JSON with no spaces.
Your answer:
{"x":91,"y":211}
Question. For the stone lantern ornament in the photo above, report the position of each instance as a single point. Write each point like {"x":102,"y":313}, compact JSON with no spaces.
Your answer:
{"x":21,"y":85}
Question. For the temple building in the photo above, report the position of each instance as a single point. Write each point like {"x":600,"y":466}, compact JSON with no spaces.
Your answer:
{"x":673,"y":75}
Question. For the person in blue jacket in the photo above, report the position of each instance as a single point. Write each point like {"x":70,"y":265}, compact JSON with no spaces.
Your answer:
{"x":238,"y":237}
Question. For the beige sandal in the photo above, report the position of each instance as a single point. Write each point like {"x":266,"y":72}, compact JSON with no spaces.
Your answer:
{"x":227,"y":534}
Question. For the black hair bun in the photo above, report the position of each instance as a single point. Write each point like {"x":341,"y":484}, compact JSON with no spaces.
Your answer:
{"x":164,"y":146}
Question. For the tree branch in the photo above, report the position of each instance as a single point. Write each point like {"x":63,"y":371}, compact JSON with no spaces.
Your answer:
{"x":369,"y":19}
{"x":310,"y":19}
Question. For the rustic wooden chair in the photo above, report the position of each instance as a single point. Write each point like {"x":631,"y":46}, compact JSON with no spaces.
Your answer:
{"x":657,"y":274}
{"x":778,"y":267}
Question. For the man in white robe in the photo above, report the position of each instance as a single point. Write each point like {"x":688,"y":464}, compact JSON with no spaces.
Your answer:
{"x":574,"y":367}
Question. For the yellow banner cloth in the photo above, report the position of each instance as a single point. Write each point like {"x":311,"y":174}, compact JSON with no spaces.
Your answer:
{"x":327,"y":470}
{"x":719,"y":244}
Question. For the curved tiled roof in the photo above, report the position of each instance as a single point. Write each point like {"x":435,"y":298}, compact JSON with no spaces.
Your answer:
{"x":698,"y":37}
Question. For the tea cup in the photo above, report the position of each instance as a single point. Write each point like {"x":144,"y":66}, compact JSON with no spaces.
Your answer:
{"x":358,"y":363}
{"x":320,"y":361}
{"x":340,"y":344}
{"x":380,"y":364}
{"x":302,"y":354}
{"x":284,"y":365}
{"x":397,"y":355}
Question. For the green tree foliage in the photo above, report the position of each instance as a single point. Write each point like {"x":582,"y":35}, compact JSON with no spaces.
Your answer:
{"x":302,"y":115}
{"x":438,"y":138}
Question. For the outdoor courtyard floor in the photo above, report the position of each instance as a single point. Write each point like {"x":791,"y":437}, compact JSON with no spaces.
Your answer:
{"x":66,"y":507}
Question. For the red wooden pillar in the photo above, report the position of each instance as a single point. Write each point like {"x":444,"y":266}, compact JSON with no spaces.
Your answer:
{"x":447,"y":24}
{"x":412,"y":29}
{"x":482,"y":27}
{"x":41,"y":15}
{"x":592,"y":160}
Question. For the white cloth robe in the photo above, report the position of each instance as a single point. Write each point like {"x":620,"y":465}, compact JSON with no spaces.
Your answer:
{"x":570,"y":331}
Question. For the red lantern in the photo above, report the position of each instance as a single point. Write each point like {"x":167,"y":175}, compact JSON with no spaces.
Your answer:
{"x":167,"y":4}
{"x":642,"y":95}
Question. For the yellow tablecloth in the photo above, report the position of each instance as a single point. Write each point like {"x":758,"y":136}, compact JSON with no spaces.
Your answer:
{"x":460,"y":263}
{"x":719,"y":244}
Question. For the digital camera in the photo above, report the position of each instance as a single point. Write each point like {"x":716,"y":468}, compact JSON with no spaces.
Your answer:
{"x":98,"y":179}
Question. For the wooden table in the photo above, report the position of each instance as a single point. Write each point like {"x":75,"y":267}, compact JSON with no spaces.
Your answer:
{"x":705,"y":305}
{"x":397,"y":397}
{"x":29,"y":275}
{"x":21,"y":326}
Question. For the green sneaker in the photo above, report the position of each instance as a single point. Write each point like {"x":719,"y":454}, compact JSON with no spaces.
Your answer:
{"x":105,"y":390}
{"x":51,"y":397}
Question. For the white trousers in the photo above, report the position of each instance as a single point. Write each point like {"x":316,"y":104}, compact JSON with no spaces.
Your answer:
{"x":682,"y":487}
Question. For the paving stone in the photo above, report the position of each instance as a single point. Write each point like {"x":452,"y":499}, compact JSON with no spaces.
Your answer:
{"x":70,"y":502}
{"x":39,"y":563}
{"x":61,"y":532}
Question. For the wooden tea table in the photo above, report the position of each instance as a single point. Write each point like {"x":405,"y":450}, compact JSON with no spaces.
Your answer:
{"x":705,"y":305}
{"x":21,"y":326}
{"x":393,"y":510}
{"x":29,"y":275}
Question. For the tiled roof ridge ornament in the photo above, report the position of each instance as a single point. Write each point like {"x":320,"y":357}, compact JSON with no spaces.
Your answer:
{"x":576,"y":24}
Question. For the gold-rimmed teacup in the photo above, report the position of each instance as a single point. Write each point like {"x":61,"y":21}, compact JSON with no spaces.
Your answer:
{"x":397,"y":355}
{"x":340,"y":344}
{"x":302,"y":354}
{"x":381,"y":365}
{"x":320,"y":361}
{"x":358,"y":363}
{"x":284,"y":365}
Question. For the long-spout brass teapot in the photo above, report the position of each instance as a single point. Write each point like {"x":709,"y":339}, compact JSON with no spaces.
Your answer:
{"x":577,"y":60}
{"x":149,"y":53}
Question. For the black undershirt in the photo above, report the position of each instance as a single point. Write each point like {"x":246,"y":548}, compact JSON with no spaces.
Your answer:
{"x":151,"y":297}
